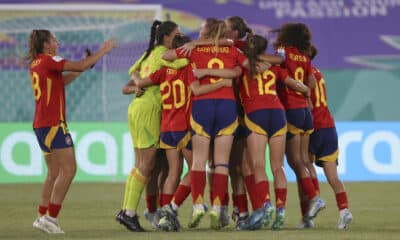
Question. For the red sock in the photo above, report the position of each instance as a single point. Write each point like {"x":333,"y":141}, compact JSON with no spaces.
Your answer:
{"x":165,"y":199}
{"x":181,"y":193}
{"x":307,"y":187}
{"x":250,"y":185}
{"x":219,"y":186}
{"x":225,"y":200}
{"x":242,"y":203}
{"x":211,"y":195}
{"x":151,"y":202}
{"x":42,"y":210}
{"x":263,"y":193}
{"x":280,"y":197}
{"x":341,"y":200}
{"x":235,"y":200}
{"x":316,"y":185}
{"x":197,"y":185}
{"x":54,"y":209}
{"x":304,"y":207}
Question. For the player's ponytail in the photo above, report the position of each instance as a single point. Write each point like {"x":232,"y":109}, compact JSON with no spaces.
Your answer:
{"x":255,"y":45}
{"x":153,"y":31}
{"x":37,"y":38}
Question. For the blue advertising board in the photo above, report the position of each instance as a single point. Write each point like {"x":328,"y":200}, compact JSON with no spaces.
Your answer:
{"x":368,"y":151}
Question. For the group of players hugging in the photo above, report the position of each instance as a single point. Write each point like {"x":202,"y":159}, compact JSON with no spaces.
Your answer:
{"x":219,"y":103}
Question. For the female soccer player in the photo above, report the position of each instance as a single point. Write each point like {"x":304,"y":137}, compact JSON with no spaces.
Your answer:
{"x":49,"y":124}
{"x":236,"y":30}
{"x":144,"y":115}
{"x":214,"y":117}
{"x":266,"y":123}
{"x":175,"y":134}
{"x":324,"y":145}
{"x":292,"y":44}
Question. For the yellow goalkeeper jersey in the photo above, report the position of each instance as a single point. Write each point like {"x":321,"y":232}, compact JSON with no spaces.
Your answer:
{"x":144,"y":112}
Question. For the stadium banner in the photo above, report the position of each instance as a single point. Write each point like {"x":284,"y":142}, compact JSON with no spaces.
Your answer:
{"x":335,"y":24}
{"x":369,"y":151}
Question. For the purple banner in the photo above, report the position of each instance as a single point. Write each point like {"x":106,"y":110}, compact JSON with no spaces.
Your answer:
{"x":348,"y":33}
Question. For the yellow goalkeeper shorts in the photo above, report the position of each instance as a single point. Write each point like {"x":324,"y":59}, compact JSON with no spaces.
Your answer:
{"x":144,"y":121}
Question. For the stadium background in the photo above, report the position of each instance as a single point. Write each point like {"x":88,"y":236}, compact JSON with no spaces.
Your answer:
{"x":358,"y":53}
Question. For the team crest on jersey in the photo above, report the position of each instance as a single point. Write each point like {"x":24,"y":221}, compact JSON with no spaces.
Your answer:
{"x":57,"y":58}
{"x":68,"y":140}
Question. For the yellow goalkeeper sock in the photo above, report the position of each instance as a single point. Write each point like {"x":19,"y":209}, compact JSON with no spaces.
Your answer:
{"x":127,"y":188}
{"x":138,"y":182}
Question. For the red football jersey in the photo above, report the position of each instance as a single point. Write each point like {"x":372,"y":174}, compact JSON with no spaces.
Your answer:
{"x":241,"y":44}
{"x":209,"y":56}
{"x":48,"y":90}
{"x":175,"y":95}
{"x":260,"y":92}
{"x":298,"y":66}
{"x":322,"y":118}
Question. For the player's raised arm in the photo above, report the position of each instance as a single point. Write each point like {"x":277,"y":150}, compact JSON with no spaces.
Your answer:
{"x":71,"y":76}
{"x":82,"y":65}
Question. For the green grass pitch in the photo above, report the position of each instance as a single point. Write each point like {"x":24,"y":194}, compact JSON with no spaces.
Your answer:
{"x":90,"y":208}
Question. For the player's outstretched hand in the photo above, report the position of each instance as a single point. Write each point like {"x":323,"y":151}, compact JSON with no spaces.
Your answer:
{"x":109,"y":45}
{"x":187,"y":48}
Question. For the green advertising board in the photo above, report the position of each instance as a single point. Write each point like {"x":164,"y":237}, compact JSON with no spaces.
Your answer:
{"x":103,"y":152}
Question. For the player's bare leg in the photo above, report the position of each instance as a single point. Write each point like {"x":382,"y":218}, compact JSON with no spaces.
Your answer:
{"x":345,"y":216}
{"x":48,"y":185}
{"x":222,"y":150}
{"x":263,"y":210}
{"x":277,"y":152}
{"x":201,"y":152}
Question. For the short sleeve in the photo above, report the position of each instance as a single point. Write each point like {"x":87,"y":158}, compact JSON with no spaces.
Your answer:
{"x":56,"y":63}
{"x":158,"y":76}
